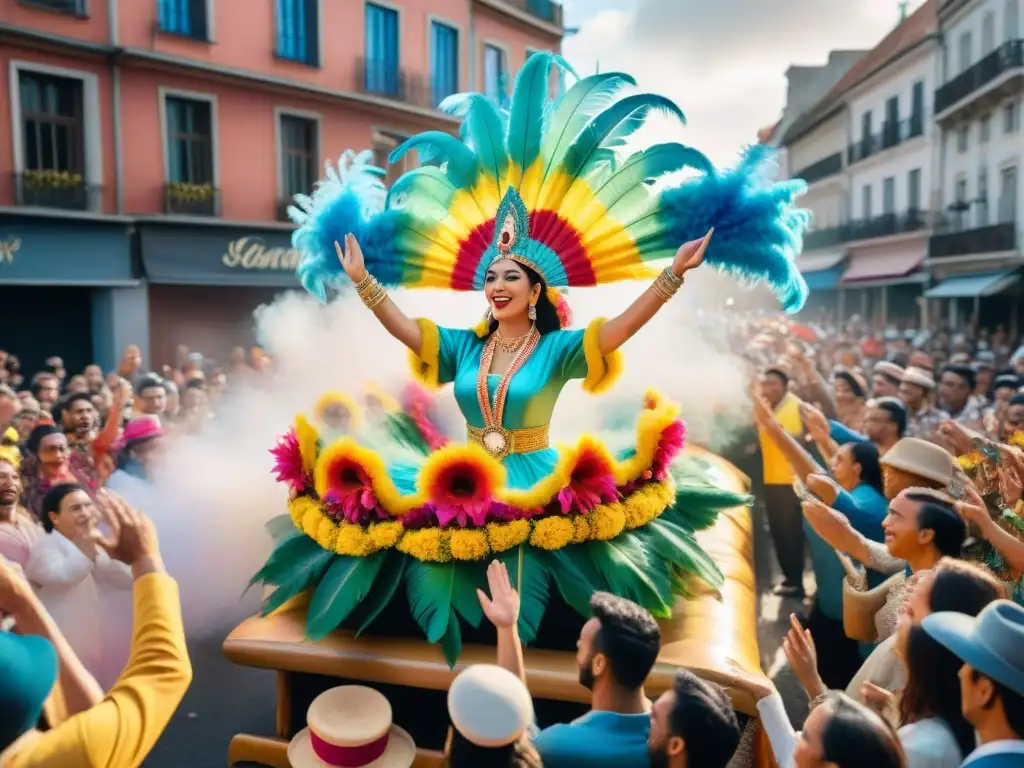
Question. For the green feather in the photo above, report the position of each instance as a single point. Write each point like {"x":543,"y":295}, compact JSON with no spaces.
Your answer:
{"x":281,"y":527}
{"x":423,"y":192}
{"x":288,"y":553}
{"x":451,"y":641}
{"x":402,"y":430}
{"x":529,"y":578}
{"x":463,"y":165}
{"x":484,"y":132}
{"x":618,"y":121}
{"x":678,"y":547}
{"x":342,"y":588}
{"x":577,"y":107}
{"x":641,"y":168}
{"x":384,"y":588}
{"x":529,"y":103}
{"x":429,"y":588}
{"x":305,"y":572}
{"x":575,"y":577}
{"x":628,"y":575}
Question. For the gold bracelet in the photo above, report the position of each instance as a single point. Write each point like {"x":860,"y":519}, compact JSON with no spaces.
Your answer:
{"x":365,"y":283}
{"x":666,"y":285}
{"x":374,"y":296}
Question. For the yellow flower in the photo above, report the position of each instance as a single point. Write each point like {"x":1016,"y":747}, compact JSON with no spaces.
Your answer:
{"x":428,"y":544}
{"x":646,"y":504}
{"x":505,"y":536}
{"x":552,"y":532}
{"x":581,"y":529}
{"x":352,"y":540}
{"x":467,"y":544}
{"x":345,"y":466}
{"x":607,"y":521}
{"x":298,"y":507}
{"x":307,"y":436}
{"x":385,"y":535}
{"x":327,"y":533}
{"x":311,"y":521}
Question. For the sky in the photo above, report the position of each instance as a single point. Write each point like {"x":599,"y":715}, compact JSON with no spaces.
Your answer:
{"x":722,"y":61}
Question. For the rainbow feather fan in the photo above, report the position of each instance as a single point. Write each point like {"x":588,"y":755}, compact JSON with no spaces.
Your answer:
{"x":594,"y":206}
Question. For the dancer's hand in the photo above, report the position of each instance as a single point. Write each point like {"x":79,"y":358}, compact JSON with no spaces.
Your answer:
{"x":502,"y":607}
{"x":690,"y":255}
{"x":351,"y":258}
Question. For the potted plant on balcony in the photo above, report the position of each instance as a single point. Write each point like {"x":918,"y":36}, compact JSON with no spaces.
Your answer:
{"x":190,"y":196}
{"x":52,"y":187}
{"x":51,"y":178}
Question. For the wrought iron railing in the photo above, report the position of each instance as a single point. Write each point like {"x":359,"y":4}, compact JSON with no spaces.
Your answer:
{"x":57,"y":189}
{"x":825,"y":238}
{"x":888,"y":224}
{"x":950,"y":241}
{"x":184,"y":198}
{"x":380,"y":77}
{"x":1010,"y":55}
{"x":822,"y":169}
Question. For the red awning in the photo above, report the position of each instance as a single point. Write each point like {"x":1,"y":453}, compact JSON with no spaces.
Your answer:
{"x":880,"y":266}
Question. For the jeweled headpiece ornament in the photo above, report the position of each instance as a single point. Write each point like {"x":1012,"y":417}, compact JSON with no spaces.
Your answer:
{"x":577,"y":202}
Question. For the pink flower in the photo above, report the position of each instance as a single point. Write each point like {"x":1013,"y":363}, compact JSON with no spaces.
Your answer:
{"x":669,"y":446}
{"x":288,"y":461}
{"x":417,"y":407}
{"x":351,"y":496}
{"x":591,"y":483}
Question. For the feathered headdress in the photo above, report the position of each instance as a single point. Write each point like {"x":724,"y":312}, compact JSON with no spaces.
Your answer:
{"x":554,"y":186}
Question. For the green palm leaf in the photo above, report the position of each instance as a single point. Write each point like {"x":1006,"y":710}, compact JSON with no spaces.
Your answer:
{"x":288,"y":553}
{"x":451,"y":641}
{"x":575,"y":577}
{"x":529,"y":578}
{"x":384,"y":587}
{"x":429,"y":589}
{"x":304,"y":573}
{"x":678,"y":547}
{"x":281,"y":527}
{"x":343,"y":587}
{"x":628,"y":575}
{"x":468,"y":578}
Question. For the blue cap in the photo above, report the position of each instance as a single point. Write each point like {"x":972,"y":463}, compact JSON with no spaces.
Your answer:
{"x":28,"y":670}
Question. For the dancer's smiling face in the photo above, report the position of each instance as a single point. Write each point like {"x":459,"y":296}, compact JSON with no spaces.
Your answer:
{"x":508,"y":290}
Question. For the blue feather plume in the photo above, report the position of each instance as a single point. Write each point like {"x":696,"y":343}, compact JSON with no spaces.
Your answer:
{"x":758,"y":231}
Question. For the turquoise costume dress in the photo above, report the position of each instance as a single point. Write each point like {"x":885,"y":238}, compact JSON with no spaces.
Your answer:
{"x":394,"y":514}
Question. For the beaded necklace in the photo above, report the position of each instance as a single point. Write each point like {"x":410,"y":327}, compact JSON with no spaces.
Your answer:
{"x":496,"y":439}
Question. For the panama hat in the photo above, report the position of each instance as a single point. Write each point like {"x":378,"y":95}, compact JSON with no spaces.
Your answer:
{"x":489,"y":706}
{"x":918,"y":377}
{"x":921,"y":458}
{"x":350,"y":727}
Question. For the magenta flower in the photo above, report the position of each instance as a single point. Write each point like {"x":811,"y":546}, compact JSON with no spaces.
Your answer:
{"x":288,"y":461}
{"x":671,"y":443}
{"x":352,"y":498}
{"x":591,"y":483}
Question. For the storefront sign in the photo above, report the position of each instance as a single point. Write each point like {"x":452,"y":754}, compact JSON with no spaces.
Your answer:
{"x":57,"y":251}
{"x":175,"y":254}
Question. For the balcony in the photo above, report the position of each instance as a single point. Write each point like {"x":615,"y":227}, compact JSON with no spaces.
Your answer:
{"x":183,"y":198}
{"x":377,"y":77}
{"x":822,"y":169}
{"x":546,"y":11}
{"x":826,"y":238}
{"x":1006,"y":58}
{"x":56,"y":189}
{"x":892,"y":134}
{"x":995,"y":238}
{"x":887,"y":224}
{"x":72,"y":7}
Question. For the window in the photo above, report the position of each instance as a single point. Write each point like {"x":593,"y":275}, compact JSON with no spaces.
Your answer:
{"x":298,"y":35}
{"x":299,"y":154}
{"x":1011,"y":25}
{"x":961,"y":205}
{"x":495,"y":77}
{"x":1010,"y":118}
{"x":444,"y":62}
{"x":889,"y":196}
{"x":914,"y":190}
{"x":981,"y":211}
{"x":382,"y":51}
{"x":962,"y":135}
{"x":985,"y":128}
{"x":184,"y":17}
{"x":892,"y":121}
{"x":988,"y":34}
{"x":865,"y":202}
{"x":76,"y":7}
{"x":189,"y":141}
{"x":965,"y":51}
{"x":1008,"y":194}
{"x":866,"y":126}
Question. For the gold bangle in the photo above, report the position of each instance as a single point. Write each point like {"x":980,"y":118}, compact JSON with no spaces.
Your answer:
{"x":666,"y":285}
{"x":365,"y":283}
{"x":374,"y":296}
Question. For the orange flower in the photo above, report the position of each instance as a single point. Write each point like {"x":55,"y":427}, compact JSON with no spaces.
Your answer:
{"x":459,"y":482}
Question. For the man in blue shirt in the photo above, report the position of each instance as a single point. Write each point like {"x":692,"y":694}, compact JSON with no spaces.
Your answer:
{"x":616,"y":651}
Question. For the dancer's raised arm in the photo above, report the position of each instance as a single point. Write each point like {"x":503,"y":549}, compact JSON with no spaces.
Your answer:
{"x":620,"y":329}
{"x":376,"y":299}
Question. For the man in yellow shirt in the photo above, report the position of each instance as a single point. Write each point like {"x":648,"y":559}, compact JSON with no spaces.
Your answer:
{"x":115,"y":731}
{"x":785,"y":516}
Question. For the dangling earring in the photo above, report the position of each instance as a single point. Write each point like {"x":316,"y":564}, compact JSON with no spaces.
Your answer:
{"x":532,"y":313}
{"x":488,"y":316}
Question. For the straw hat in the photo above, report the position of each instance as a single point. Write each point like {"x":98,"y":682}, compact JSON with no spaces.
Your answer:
{"x":489,"y":706}
{"x":919,"y":457}
{"x":891,"y":370}
{"x":919,"y":377}
{"x":350,"y":726}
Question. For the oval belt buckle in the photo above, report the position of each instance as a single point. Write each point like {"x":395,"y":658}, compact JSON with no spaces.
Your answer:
{"x":497,"y":441}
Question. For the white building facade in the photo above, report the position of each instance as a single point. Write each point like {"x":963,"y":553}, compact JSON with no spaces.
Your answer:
{"x":976,"y":252}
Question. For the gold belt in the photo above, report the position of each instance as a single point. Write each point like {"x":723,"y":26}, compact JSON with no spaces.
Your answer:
{"x":517,"y":440}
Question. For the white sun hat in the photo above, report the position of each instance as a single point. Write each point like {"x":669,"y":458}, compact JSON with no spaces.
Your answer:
{"x":350,"y":727}
{"x":489,"y":706}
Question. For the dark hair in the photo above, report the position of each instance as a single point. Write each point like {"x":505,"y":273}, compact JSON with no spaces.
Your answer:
{"x":962,"y":587}
{"x":149,"y":381}
{"x":39,"y":380}
{"x":1005,"y":381}
{"x":896,"y":409}
{"x":848,"y":377}
{"x":52,"y":501}
{"x":67,"y":402}
{"x":195,"y":384}
{"x":854,"y":737}
{"x":781,"y":374}
{"x":465,"y":754}
{"x":867,"y":456}
{"x":37,"y":434}
{"x":704,"y":718}
{"x":1013,"y":702}
{"x":965,"y":372}
{"x":942,"y":519}
{"x":629,"y":636}
{"x":1017,"y":399}
{"x":547,"y":315}
{"x":933,"y":687}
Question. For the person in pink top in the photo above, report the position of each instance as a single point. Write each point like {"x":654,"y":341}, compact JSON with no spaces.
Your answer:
{"x":18,"y":531}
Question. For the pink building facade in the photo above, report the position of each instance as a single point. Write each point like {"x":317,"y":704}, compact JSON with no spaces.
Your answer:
{"x":154,"y":146}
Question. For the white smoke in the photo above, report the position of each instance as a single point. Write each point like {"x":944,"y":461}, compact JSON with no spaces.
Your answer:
{"x":216,"y":491}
